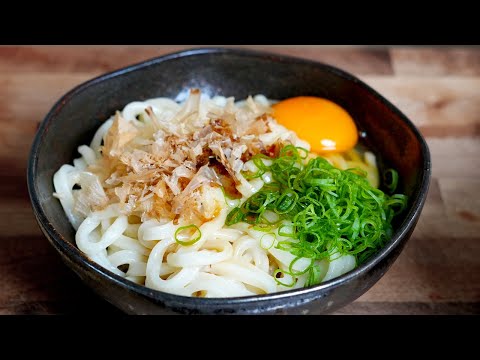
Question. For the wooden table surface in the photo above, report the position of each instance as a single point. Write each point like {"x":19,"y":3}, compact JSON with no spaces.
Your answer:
{"x":438,"y":88}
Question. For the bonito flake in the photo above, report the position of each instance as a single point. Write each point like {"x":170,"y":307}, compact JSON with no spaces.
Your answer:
{"x":164,"y":165}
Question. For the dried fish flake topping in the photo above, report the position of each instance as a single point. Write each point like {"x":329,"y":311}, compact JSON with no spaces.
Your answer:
{"x":171,"y":164}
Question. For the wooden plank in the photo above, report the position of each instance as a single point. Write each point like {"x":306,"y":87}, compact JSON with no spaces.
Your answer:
{"x":81,"y":304}
{"x":440,"y":263}
{"x":17,"y":219}
{"x":454,"y":157}
{"x":446,"y":106}
{"x":29,"y":96}
{"x":419,"y":275}
{"x":357,"y":60}
{"x":99,"y":59}
{"x":35,"y":281}
{"x":409,"y":308}
{"x":439,"y":61}
{"x":25,"y":100}
{"x":462,"y":206}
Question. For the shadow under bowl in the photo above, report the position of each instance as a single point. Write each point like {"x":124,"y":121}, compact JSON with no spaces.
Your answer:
{"x":229,"y":72}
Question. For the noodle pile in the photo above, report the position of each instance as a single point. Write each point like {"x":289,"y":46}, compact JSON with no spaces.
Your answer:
{"x":150,"y":196}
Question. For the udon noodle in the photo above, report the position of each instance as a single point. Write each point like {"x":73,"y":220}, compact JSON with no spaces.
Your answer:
{"x":149,"y":196}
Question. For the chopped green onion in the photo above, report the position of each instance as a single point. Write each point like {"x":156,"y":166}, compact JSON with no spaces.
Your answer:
{"x":313,"y":276}
{"x":192,"y":240}
{"x":269,"y":236}
{"x":234,"y":216}
{"x":282,"y":232}
{"x":390,"y":179}
{"x":327,"y":209}
{"x":279,"y":271}
{"x":293,"y":272}
{"x":263,"y":227}
{"x":286,"y":202}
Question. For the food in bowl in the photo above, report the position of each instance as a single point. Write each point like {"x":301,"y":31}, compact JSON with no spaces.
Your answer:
{"x":217,"y":198}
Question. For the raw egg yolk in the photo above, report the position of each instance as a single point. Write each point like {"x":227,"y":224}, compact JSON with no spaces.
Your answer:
{"x":325,"y":125}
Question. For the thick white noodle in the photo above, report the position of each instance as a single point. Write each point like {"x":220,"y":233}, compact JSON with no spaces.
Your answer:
{"x":224,"y":262}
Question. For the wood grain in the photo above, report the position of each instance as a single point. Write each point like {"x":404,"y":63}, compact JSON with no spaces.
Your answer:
{"x":438,"y":61}
{"x":439,"y":89}
{"x":439,"y":106}
{"x":100,"y":59}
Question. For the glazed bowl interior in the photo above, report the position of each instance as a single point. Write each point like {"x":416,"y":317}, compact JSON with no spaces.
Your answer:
{"x":239,"y":73}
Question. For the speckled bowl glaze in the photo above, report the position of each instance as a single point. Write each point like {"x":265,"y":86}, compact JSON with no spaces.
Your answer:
{"x":74,"y":118}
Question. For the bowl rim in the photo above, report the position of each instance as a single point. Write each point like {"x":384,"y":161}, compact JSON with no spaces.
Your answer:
{"x":80,"y":259}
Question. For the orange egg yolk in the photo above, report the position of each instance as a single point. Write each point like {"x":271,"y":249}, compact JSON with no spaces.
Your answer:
{"x":322,"y":123}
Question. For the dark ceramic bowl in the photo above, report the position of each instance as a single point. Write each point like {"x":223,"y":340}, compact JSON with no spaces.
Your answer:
{"x":75,"y":117}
